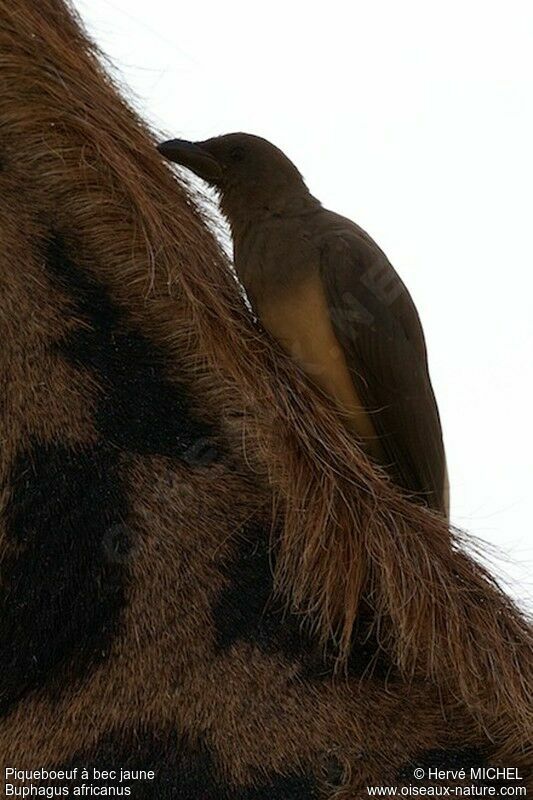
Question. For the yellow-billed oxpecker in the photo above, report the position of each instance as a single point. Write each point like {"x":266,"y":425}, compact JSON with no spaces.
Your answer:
{"x":325,"y":290}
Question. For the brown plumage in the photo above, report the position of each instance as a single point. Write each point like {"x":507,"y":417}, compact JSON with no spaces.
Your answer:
{"x":325,"y":290}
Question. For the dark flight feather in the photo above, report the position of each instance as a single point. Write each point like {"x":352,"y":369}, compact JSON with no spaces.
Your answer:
{"x":378,"y":327}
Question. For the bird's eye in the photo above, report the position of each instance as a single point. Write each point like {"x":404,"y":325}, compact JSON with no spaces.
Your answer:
{"x":236,"y":153}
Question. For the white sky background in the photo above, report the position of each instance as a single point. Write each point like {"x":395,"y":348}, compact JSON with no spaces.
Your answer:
{"x":415,"y":119}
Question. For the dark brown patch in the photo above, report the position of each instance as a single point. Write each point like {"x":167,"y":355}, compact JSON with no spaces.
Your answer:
{"x":248,"y":610}
{"x":138,"y":409}
{"x":61,"y":589}
{"x":184,"y":770}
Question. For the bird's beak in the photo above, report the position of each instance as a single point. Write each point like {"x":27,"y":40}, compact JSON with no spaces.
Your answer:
{"x":194,"y":157}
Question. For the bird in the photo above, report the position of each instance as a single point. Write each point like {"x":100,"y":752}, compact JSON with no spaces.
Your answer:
{"x":321,"y":286}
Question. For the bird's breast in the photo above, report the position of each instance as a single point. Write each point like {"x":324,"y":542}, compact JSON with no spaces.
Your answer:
{"x":298,"y":317}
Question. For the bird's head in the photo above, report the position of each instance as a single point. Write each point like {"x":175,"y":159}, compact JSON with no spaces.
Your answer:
{"x":251,"y":175}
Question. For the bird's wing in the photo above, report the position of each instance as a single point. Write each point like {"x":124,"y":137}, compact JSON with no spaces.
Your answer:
{"x":378,"y":327}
